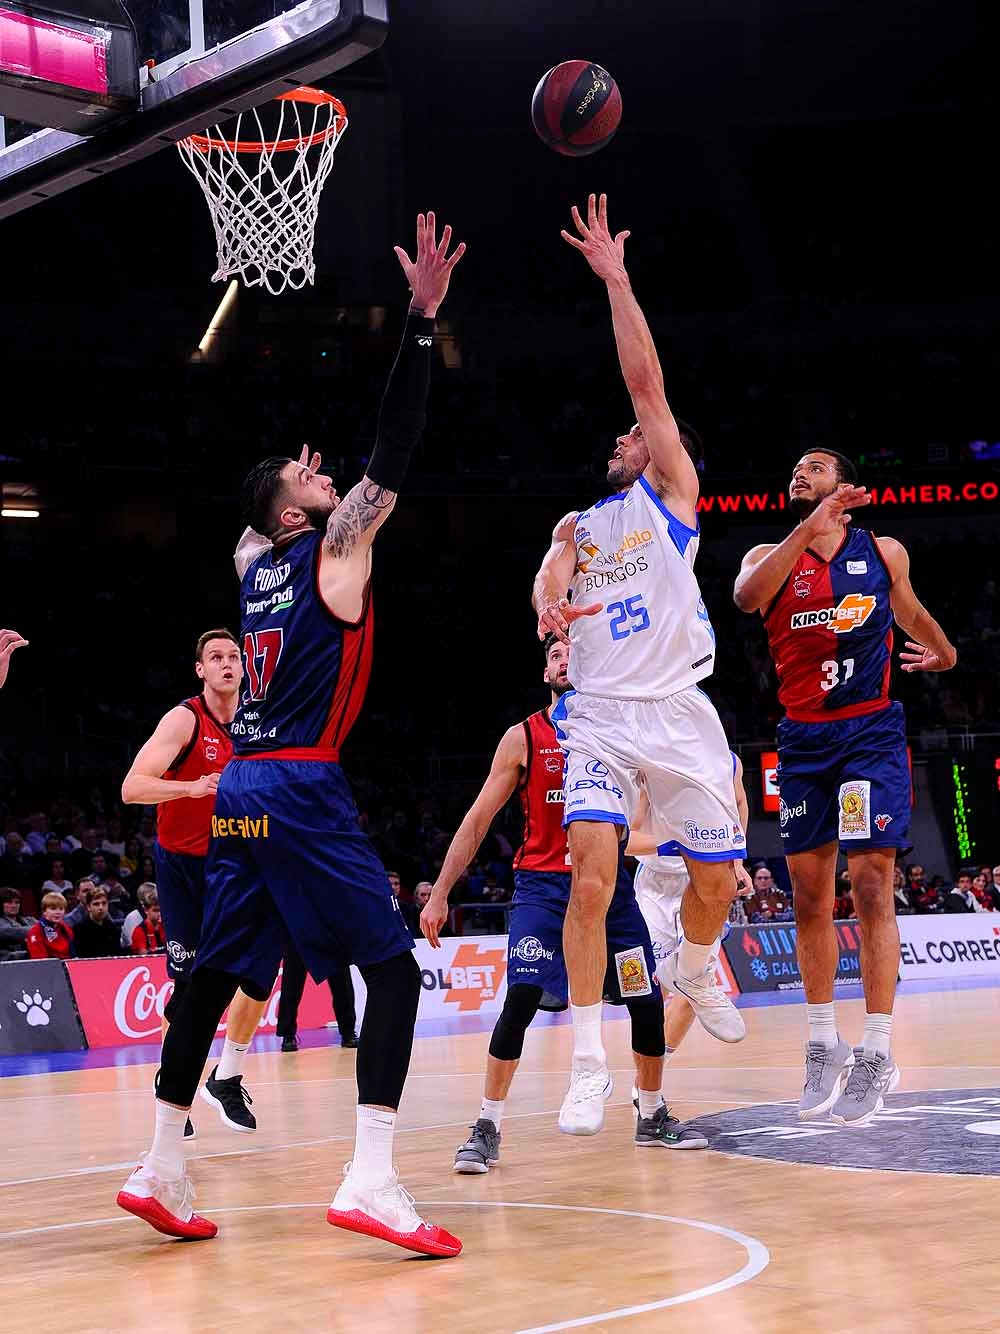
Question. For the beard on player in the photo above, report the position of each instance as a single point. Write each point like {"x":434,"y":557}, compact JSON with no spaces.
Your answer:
{"x":631,"y":455}
{"x":805,"y":493}
{"x":319,"y":515}
{"x":557,"y":680}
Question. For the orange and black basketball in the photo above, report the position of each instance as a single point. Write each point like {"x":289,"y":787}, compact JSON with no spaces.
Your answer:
{"x":576,"y":108}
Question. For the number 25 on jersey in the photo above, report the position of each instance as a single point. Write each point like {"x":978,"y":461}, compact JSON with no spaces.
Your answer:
{"x":628,"y":617}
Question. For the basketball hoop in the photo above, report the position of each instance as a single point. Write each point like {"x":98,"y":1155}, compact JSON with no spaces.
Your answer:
{"x":263,"y":193}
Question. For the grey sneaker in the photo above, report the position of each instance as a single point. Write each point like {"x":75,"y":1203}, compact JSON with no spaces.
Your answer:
{"x":481,"y":1150}
{"x":666,"y":1131}
{"x":871,"y":1078}
{"x":825,"y":1071}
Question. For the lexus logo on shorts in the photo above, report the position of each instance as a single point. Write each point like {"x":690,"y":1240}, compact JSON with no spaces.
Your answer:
{"x":596,"y":769}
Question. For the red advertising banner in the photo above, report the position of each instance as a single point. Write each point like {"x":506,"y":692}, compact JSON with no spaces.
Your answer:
{"x":121,"y":1000}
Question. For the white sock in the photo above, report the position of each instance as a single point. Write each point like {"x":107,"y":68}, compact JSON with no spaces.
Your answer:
{"x":166,"y":1157}
{"x":822,"y":1024}
{"x":231,"y":1060}
{"x":492,"y":1111}
{"x":667,"y":1053}
{"x":878,"y":1028}
{"x":588,"y":1046}
{"x":692,"y":959}
{"x":372,"y":1162}
{"x":648,"y":1102}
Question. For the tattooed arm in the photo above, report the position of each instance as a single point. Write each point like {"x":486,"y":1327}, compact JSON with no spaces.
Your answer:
{"x":358,"y":517}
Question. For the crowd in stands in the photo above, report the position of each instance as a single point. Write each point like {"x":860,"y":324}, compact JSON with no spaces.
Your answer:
{"x":80,"y":881}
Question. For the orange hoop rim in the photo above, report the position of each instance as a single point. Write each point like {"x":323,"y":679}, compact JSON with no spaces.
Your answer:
{"x":206,"y":143}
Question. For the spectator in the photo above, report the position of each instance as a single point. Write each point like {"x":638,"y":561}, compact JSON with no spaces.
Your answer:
{"x":15,"y":864}
{"x":78,"y":912}
{"x":50,"y":937}
{"x":763,"y":912}
{"x":781,"y":909}
{"x":995,"y":888}
{"x":763,"y":882}
{"x":149,"y":935}
{"x":57,"y":881}
{"x":145,"y":895}
{"x":981,"y":887}
{"x":38,"y":834}
{"x":112,"y":841}
{"x":843,"y":903}
{"x":900,"y":894}
{"x":411,"y":911}
{"x":915,"y":879}
{"x":14,"y":927}
{"x":119,"y":899}
{"x":128,"y":863}
{"x":961,"y":898}
{"x":81,"y":862}
{"x":147,"y":833}
{"x":97,"y":935}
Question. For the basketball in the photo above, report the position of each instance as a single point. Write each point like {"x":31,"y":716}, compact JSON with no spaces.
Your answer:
{"x":576,"y":108}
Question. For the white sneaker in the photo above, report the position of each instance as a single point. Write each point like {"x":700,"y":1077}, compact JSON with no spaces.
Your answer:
{"x":582,"y":1112}
{"x":165,"y":1204}
{"x":387,"y":1212}
{"x":716,"y":1012}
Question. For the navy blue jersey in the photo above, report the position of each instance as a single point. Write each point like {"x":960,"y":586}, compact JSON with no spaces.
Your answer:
{"x":830,"y":632}
{"x":306,"y":672}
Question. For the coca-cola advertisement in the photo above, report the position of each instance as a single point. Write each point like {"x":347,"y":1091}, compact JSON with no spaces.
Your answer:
{"x":121,"y":1000}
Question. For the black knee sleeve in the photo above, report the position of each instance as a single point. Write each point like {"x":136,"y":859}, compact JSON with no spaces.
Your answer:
{"x":646,"y":1015}
{"x":387,"y":1029}
{"x":519,"y":1008}
{"x":186,"y":1046}
{"x":173,"y":1004}
{"x":254,"y":990}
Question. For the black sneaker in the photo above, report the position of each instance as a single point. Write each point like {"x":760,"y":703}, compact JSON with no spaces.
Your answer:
{"x":349,"y":1040}
{"x":290,"y":1043}
{"x":189,"y":1130}
{"x":231,"y":1101}
{"x":665,"y":1131}
{"x":481,"y":1150}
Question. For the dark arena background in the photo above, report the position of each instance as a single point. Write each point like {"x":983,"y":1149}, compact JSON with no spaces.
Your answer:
{"x":806,"y":184}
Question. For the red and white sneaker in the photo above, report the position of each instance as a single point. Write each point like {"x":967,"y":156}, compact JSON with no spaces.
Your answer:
{"x":387,"y":1212}
{"x":165,"y":1205}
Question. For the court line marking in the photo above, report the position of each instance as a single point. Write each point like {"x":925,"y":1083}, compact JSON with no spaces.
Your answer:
{"x":758,"y":1256}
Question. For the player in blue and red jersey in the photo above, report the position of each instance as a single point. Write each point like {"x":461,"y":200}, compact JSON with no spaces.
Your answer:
{"x":529,"y":760}
{"x":177,"y":771}
{"x":829,"y":594}
{"x":288,"y":862}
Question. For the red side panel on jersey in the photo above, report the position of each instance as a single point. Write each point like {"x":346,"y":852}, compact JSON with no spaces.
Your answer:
{"x":184,"y":825}
{"x":352,"y":679}
{"x":544,"y":847}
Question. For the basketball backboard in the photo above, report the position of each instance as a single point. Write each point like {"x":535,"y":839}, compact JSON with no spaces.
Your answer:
{"x":211,"y":59}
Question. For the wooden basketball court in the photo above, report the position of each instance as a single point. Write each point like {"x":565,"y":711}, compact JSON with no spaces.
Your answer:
{"x":565,"y":1233}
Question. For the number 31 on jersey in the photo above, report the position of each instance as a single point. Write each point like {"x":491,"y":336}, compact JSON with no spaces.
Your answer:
{"x":831,"y":672}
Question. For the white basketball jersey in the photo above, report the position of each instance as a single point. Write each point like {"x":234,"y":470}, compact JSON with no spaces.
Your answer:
{"x":653,"y":636}
{"x":669,"y":865}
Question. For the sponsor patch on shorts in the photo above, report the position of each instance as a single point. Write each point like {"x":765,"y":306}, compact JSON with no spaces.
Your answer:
{"x":854,"y":807}
{"x":633,"y":977}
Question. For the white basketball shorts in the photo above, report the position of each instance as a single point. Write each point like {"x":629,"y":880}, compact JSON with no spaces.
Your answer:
{"x":674,"y":747}
{"x":659,"y":895}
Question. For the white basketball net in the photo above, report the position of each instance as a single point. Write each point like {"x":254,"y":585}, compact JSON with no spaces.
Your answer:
{"x":263,"y":187}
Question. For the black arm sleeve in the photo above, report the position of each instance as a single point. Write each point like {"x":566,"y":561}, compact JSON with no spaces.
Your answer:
{"x":404,"y":405}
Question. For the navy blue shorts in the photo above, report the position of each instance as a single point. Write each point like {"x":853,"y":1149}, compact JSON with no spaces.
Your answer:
{"x":846,"y":781}
{"x":180,"y":884}
{"x":288,"y":864}
{"x":535,"y":949}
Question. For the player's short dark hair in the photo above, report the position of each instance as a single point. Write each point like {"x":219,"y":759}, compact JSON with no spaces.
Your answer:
{"x":221,"y":633}
{"x":691,"y":441}
{"x":547,"y":643}
{"x":260,"y":493}
{"x":846,"y":471}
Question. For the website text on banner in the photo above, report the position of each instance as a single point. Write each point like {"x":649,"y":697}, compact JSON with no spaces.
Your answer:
{"x":946,"y":945}
{"x":36,"y":1009}
{"x":121,"y":1000}
{"x":762,"y":958}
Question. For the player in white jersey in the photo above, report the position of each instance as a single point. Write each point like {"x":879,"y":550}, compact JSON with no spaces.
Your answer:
{"x":660,"y":882}
{"x":640,"y":640}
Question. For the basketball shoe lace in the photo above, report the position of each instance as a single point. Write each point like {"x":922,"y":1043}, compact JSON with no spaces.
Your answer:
{"x":868,"y":1073}
{"x":393,"y":1204}
{"x":177,"y":1194}
{"x":817,"y":1058}
{"x":586,"y":1085}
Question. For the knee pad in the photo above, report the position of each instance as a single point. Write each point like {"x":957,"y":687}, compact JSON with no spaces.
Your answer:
{"x":646,"y":1015}
{"x":519,"y":1008}
{"x":254,"y":990}
{"x":181,"y":985}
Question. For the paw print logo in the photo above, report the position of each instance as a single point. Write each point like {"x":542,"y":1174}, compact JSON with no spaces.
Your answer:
{"x":34,"y":1009}
{"x":759,"y":970}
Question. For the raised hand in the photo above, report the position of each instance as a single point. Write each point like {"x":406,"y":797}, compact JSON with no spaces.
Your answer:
{"x":9,"y":641}
{"x":916,"y":658}
{"x":430,"y":273}
{"x":555,"y":617}
{"x":313,"y":461}
{"x":604,"y":253}
{"x":832,"y":515}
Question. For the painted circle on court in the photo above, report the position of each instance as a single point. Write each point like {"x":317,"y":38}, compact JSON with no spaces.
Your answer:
{"x":940,"y":1130}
